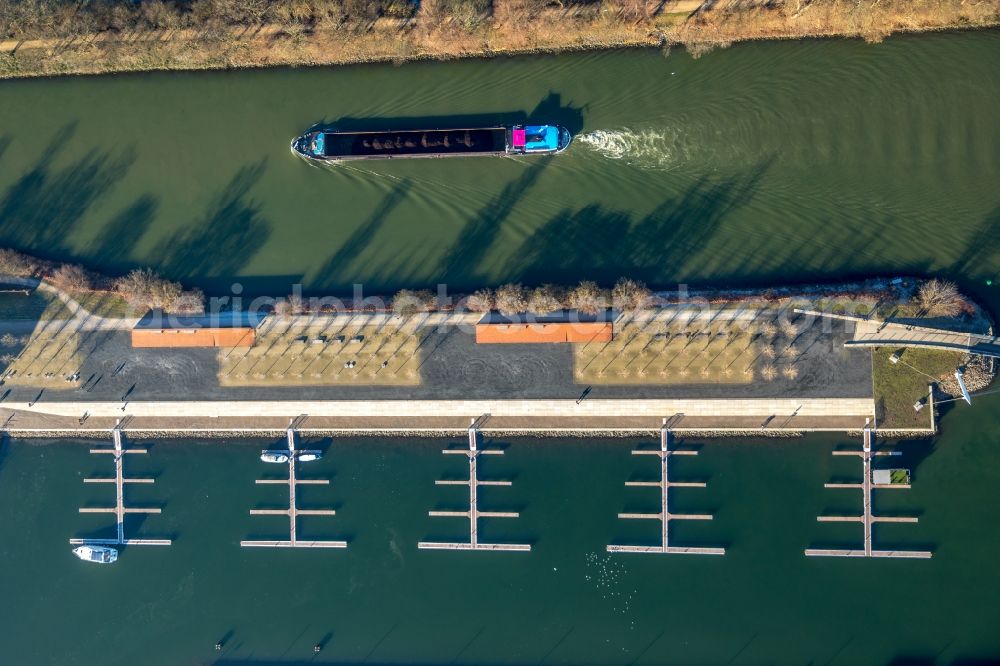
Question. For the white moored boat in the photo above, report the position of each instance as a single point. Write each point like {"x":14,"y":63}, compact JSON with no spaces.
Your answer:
{"x":98,"y":554}
{"x":274,"y":456}
{"x":309,"y":456}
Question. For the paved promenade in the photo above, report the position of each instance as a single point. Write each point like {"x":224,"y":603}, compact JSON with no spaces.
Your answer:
{"x":376,"y":408}
{"x":541,"y":416}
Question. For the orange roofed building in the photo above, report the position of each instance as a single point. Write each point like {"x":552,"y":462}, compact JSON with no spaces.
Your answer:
{"x":223,"y":330}
{"x":500,"y":329}
{"x":193,"y":337}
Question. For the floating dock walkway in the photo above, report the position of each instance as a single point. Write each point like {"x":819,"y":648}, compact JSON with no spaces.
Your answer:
{"x":473,"y":514}
{"x":867,"y":519}
{"x":665,"y":516}
{"x":293,"y":512}
{"x":119,"y":509}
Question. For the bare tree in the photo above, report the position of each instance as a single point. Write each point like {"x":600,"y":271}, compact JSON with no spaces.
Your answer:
{"x":512,"y":299}
{"x":546,"y":298}
{"x":480,"y":301}
{"x":71,"y":278}
{"x":587,"y":297}
{"x":940,"y":298}
{"x":407,"y":303}
{"x":142,"y":288}
{"x":630,"y":295}
{"x":15,"y":264}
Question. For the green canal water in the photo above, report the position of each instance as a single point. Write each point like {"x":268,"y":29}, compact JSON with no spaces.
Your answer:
{"x":567,"y":602}
{"x":762,"y":162}
{"x":752,"y":165}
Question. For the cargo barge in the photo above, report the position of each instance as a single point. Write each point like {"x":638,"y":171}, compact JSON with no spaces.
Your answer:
{"x":335,"y":146}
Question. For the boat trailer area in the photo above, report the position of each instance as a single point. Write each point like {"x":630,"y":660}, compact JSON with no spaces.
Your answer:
{"x":293,"y":511}
{"x":665,"y":516}
{"x":120,"y":510}
{"x":867,"y":519}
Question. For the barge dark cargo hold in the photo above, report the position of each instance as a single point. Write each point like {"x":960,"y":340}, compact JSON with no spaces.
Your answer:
{"x":335,"y":146}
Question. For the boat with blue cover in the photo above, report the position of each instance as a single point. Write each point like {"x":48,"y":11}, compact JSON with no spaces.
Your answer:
{"x":330,"y":145}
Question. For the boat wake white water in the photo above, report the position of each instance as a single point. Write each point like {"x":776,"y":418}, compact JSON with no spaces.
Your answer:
{"x":647,"y":148}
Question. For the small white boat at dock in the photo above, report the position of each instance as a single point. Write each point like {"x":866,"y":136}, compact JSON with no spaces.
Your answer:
{"x":98,"y":554}
{"x":309,"y":456}
{"x":274,"y":456}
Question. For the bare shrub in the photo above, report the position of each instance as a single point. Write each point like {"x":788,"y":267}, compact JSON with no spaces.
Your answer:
{"x":8,"y":340}
{"x":546,"y":298}
{"x":144,"y":289}
{"x":587,"y":297}
{"x":282,"y":307}
{"x":767,"y":351}
{"x":480,"y":301}
{"x":189,"y":302}
{"x":768,"y":372}
{"x":767,"y":329}
{"x":790,"y":371}
{"x":296,"y":303}
{"x":71,"y":278}
{"x":407,"y":303}
{"x":630,"y":295}
{"x":940,"y":298}
{"x":15,"y":264}
{"x":512,"y":299}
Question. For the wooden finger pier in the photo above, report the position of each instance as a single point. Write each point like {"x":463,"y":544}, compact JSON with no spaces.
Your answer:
{"x":293,"y":511}
{"x":867,"y":519}
{"x":473,"y":514}
{"x":665,"y":516}
{"x":120,"y":510}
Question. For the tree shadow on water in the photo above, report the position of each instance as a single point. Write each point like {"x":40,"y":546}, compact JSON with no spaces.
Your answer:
{"x":604,"y":244}
{"x":336,"y":272}
{"x":981,"y":256}
{"x":121,"y":235}
{"x":40,"y":210}
{"x":463,"y":260}
{"x":223,"y":240}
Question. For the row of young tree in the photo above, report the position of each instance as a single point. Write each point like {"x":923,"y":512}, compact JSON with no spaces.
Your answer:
{"x":512,"y":299}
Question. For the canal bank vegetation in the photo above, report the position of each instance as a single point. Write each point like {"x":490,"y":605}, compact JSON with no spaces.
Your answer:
{"x":138,"y":291}
{"x":41,"y":37}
